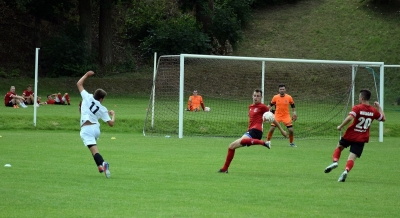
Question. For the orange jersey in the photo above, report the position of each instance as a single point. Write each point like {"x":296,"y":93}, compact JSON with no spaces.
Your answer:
{"x":195,"y":102}
{"x":282,"y":106}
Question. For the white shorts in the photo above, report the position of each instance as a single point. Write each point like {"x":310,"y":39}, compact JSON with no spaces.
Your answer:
{"x":58,"y":100}
{"x":90,"y":134}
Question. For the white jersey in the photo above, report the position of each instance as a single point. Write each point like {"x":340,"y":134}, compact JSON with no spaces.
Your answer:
{"x":92,"y":110}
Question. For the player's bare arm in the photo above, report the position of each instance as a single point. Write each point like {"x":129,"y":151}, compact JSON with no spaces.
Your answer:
{"x":112,"y":121}
{"x":79,"y":84}
{"x":378,"y":106}
{"x":348,"y":119}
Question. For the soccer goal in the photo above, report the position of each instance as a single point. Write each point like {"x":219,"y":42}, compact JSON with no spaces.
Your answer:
{"x":323,"y":90}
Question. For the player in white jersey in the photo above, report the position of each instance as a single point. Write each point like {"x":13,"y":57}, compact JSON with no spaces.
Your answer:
{"x":91,"y":111}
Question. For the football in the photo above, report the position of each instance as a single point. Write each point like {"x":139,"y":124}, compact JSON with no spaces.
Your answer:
{"x":207,"y":109}
{"x":268,"y":117}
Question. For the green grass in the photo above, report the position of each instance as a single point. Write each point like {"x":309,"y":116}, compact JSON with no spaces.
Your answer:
{"x":54,"y":175}
{"x":323,"y":29}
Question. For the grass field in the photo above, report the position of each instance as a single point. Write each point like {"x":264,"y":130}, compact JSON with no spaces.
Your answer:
{"x":54,"y":175}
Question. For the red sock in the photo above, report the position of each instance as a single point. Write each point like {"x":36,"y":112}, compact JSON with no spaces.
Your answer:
{"x":60,"y":97}
{"x":269,"y":136}
{"x":249,"y":142}
{"x":67,"y":97}
{"x":291,"y":138}
{"x":229,"y":158}
{"x":349,"y":165}
{"x":336,"y":155}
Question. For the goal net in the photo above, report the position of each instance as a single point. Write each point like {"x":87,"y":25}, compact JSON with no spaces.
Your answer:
{"x":323,"y":91}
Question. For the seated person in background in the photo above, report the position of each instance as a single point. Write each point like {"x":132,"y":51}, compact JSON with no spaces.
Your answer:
{"x":194,"y":102}
{"x":12,"y":100}
{"x":57,"y":99}
{"x":28,"y":95}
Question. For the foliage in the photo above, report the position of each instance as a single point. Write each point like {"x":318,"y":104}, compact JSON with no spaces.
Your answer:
{"x":143,"y":16}
{"x":263,"y":3}
{"x":242,"y":8}
{"x":3,"y":73}
{"x":174,"y":36}
{"x":64,"y":55}
{"x":225,"y":26}
{"x":51,"y":10}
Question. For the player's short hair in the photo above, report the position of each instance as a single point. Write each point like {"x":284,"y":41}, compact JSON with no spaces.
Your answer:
{"x":365,"y":94}
{"x":281,"y":85}
{"x":29,"y":85}
{"x":99,"y":94}
{"x":258,"y":90}
{"x":48,"y":95}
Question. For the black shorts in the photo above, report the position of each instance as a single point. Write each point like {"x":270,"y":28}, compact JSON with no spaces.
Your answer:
{"x":355,"y":147}
{"x":26,"y":102}
{"x":10,"y":104}
{"x":254,"y":133}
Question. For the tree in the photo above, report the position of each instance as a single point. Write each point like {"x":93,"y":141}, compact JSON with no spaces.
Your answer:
{"x":85,"y":23}
{"x":105,"y":32}
{"x":203,"y":11}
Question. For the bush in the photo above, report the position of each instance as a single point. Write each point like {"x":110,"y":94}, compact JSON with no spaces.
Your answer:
{"x":176,"y":36}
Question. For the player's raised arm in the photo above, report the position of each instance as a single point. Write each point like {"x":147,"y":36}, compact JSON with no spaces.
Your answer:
{"x":79,"y":84}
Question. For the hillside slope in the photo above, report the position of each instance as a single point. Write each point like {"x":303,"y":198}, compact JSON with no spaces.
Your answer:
{"x":324,"y":29}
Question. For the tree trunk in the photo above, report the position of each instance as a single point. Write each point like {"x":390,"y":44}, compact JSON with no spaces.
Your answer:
{"x":85,"y":24}
{"x":105,"y":32}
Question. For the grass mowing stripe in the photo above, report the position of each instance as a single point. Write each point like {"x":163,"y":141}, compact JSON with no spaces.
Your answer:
{"x":53,"y":174}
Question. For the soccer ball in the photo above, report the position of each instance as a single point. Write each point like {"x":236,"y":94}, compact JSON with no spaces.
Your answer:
{"x":268,"y":117}
{"x":207,"y":109}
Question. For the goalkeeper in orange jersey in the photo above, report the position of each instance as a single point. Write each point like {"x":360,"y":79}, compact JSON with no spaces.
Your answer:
{"x":281,"y":102}
{"x":194,"y":102}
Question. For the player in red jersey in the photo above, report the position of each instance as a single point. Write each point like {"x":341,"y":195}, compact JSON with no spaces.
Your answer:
{"x":281,"y":102}
{"x":28,"y":95}
{"x":254,"y":132}
{"x":12,"y":100}
{"x":357,"y":134}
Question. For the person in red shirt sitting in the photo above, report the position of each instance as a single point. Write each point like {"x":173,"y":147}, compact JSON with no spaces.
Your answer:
{"x":12,"y":100}
{"x":58,"y":99}
{"x":28,"y":95}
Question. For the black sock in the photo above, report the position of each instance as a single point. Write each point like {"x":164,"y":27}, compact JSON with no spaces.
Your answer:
{"x":98,"y":159}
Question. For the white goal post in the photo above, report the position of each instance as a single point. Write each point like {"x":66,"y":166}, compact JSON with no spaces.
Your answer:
{"x":226,"y":84}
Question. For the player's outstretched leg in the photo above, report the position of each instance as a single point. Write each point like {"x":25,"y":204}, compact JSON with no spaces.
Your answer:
{"x":331,"y":167}
{"x":267,"y":144}
{"x":343,"y":176}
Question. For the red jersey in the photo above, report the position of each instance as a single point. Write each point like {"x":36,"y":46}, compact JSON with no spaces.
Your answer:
{"x":27,"y":93}
{"x":363,"y":115}
{"x":8,"y":97}
{"x":52,"y":101}
{"x":256,"y":112}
